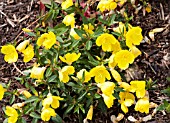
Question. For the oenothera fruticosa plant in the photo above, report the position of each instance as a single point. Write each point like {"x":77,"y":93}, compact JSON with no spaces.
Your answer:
{"x":76,"y":66}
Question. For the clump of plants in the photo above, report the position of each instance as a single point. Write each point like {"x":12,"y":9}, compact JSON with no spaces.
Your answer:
{"x":77,"y":65}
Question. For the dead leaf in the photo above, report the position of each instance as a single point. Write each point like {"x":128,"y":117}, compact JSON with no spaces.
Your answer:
{"x":148,"y":8}
{"x":151,"y":35}
{"x":153,"y":105}
{"x":147,"y":118}
{"x":113,"y":119}
{"x":157,"y":30}
{"x":132,"y":119}
{"x":120,"y":117}
{"x":58,"y":1}
{"x":46,"y":1}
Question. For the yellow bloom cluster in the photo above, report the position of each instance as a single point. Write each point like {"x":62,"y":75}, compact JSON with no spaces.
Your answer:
{"x":12,"y":113}
{"x":47,"y":40}
{"x":47,"y":111}
{"x":63,"y":74}
{"x":69,"y":20}
{"x":107,"y":89}
{"x":69,"y":58}
{"x":66,"y":4}
{"x":127,"y":98}
{"x":106,"y":5}
{"x":89,"y":28}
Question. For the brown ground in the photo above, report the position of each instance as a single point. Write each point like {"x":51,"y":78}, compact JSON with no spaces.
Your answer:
{"x":154,"y":62}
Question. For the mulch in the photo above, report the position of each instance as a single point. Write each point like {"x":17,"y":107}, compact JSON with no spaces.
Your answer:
{"x":154,"y":62}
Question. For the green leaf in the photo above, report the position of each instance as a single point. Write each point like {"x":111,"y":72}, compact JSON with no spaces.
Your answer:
{"x":166,"y":91}
{"x":97,"y":96}
{"x":68,"y":110}
{"x":57,"y":119}
{"x":82,"y":109}
{"x":88,"y":45}
{"x":79,"y":32}
{"x":75,"y":43}
{"x":6,"y":120}
{"x":116,"y":34}
{"x":35,"y":120}
{"x":31,"y":34}
{"x":161,"y":107}
{"x":76,"y":109}
{"x":168,"y":78}
{"x":35,"y":115}
{"x":28,"y":109}
{"x":112,"y":19}
{"x":12,"y":99}
{"x":82,"y":96}
{"x":48,"y":72}
{"x":31,"y":99}
{"x":60,"y":29}
{"x":60,"y":39}
{"x":52,"y":78}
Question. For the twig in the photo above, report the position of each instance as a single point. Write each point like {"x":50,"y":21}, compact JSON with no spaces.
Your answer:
{"x":162,"y":12}
{"x":18,"y":69}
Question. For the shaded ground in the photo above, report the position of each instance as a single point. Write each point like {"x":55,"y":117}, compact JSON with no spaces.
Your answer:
{"x":154,"y":62}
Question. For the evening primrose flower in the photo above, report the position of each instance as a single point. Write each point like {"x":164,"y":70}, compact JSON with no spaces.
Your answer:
{"x":74,"y":34}
{"x":70,"y":57}
{"x":63,"y":74}
{"x":47,"y":40}
{"x":142,"y":105}
{"x":107,"y":88}
{"x":106,"y":41}
{"x":108,"y":100}
{"x":106,"y":5}
{"x":100,"y":73}
{"x":112,"y":64}
{"x":12,"y":113}
{"x":124,"y":85}
{"x":134,"y":36}
{"x":135,"y":51}
{"x":123,"y":58}
{"x":69,"y":20}
{"x":87,"y":75}
{"x":89,"y":28}
{"x":22,"y":45}
{"x":120,"y":29}
{"x":138,"y":87}
{"x":37,"y":72}
{"x":90,"y":113}
{"x":10,"y":52}
{"x":116,"y":75}
{"x":47,"y":113}
{"x":66,"y":4}
{"x":51,"y":100}
{"x":28,"y":53}
{"x":2,"y":90}
{"x":126,"y":100}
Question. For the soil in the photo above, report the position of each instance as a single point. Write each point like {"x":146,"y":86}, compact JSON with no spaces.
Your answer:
{"x":154,"y":62}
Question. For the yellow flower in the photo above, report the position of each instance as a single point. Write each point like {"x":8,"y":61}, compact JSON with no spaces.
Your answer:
{"x":108,"y":100}
{"x":142,"y":105}
{"x":123,"y":58}
{"x":124,"y":85}
{"x":12,"y":113}
{"x":138,"y":87}
{"x":47,"y":113}
{"x":63,"y":74}
{"x":134,"y":36}
{"x":107,"y":41}
{"x":70,"y":57}
{"x":106,"y":5}
{"x":18,"y":105}
{"x":107,"y":88}
{"x":87,"y":75}
{"x":89,"y":28}
{"x":135,"y":51}
{"x":116,"y":75}
{"x":74,"y":34}
{"x":116,"y":47}
{"x":37,"y":72}
{"x":2,"y":90}
{"x":22,"y":45}
{"x":51,"y":100}
{"x":10,"y":52}
{"x":26,"y":94}
{"x":90,"y":113}
{"x":47,"y":40}
{"x":28,"y":53}
{"x":66,"y":4}
{"x":120,"y":29}
{"x":100,"y":73}
{"x":69,"y":20}
{"x":126,"y":100}
{"x":112,"y":63}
